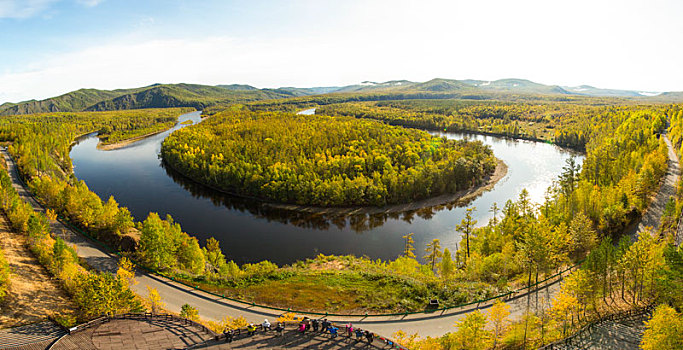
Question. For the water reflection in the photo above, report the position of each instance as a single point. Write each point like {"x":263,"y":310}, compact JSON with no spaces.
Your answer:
{"x":358,"y":222}
{"x":251,"y":231}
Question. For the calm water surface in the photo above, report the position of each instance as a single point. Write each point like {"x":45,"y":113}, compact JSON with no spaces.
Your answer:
{"x":250,"y":231}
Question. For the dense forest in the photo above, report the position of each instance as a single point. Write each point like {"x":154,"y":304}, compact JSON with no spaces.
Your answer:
{"x":41,"y":143}
{"x":564,"y":123}
{"x":95,"y":293}
{"x":324,"y":161}
{"x":582,"y":219}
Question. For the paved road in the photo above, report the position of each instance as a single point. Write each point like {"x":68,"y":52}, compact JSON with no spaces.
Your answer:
{"x":653,"y":215}
{"x":215,"y":308}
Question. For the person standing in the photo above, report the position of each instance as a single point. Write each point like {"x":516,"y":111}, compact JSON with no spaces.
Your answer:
{"x":359,"y":334}
{"x":280,"y":328}
{"x":369,"y":336}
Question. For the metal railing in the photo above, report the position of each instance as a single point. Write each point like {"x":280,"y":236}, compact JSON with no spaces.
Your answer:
{"x":140,"y":317}
{"x":568,"y":341}
{"x":243,"y":332}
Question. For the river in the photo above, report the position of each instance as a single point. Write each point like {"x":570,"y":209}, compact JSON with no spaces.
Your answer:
{"x":250,"y":231}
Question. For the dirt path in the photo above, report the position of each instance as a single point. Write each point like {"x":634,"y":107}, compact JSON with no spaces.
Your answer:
{"x":33,"y":294}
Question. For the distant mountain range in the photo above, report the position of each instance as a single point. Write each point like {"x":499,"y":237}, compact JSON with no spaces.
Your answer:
{"x":201,"y":96}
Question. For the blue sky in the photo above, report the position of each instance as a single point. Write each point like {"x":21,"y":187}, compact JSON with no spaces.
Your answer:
{"x":49,"y":47}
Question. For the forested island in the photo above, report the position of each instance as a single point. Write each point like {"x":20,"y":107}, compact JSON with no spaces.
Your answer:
{"x":322,"y":160}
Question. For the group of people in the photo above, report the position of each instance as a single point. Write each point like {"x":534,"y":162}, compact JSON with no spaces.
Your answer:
{"x":317,"y":325}
{"x":323,"y":325}
{"x":251,"y":330}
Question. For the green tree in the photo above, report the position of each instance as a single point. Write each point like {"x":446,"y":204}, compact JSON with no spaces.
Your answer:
{"x":104,"y":293}
{"x":214,"y":255}
{"x":494,"y":210}
{"x":156,"y":247}
{"x":433,"y":251}
{"x":466,"y":226}
{"x":189,"y":312}
{"x":447,"y":264}
{"x":191,"y":256}
{"x":569,"y":178}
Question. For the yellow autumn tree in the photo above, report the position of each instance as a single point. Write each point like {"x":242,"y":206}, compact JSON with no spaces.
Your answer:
{"x":563,"y":309}
{"x":288,"y":317}
{"x":50,"y":214}
{"x":126,"y":271}
{"x":409,"y":249}
{"x":227,"y":323}
{"x":408,"y":340}
{"x":154,"y":300}
{"x":499,"y":318}
{"x":415,"y":342}
{"x":663,"y":331}
{"x":471,"y":333}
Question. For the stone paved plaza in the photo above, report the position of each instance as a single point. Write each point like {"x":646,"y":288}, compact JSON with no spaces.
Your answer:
{"x":135,"y":334}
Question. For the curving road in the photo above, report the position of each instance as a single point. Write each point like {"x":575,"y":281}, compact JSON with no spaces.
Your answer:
{"x":215,"y":308}
{"x":653,"y":215}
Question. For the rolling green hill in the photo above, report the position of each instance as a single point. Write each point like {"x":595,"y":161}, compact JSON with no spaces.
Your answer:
{"x":183,"y":95}
{"x":517,"y":86}
{"x":202,"y":96}
{"x":154,"y":96}
{"x":442,"y":85}
{"x":70,"y":102}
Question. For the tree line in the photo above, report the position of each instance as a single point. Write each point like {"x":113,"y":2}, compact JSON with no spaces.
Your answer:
{"x":95,"y":293}
{"x":583,"y":219}
{"x":324,"y":161}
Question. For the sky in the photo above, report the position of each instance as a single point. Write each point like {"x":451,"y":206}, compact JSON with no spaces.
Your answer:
{"x":50,"y":47}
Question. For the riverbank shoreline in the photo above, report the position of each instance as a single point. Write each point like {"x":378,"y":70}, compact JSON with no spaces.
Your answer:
{"x":462,"y":196}
{"x":123,"y":143}
{"x":117,"y":145}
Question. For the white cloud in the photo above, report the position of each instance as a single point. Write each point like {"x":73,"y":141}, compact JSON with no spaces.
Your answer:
{"x":23,"y":8}
{"x":214,"y":60}
{"x":90,"y":3}
{"x":371,"y":42}
{"x":29,"y":8}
